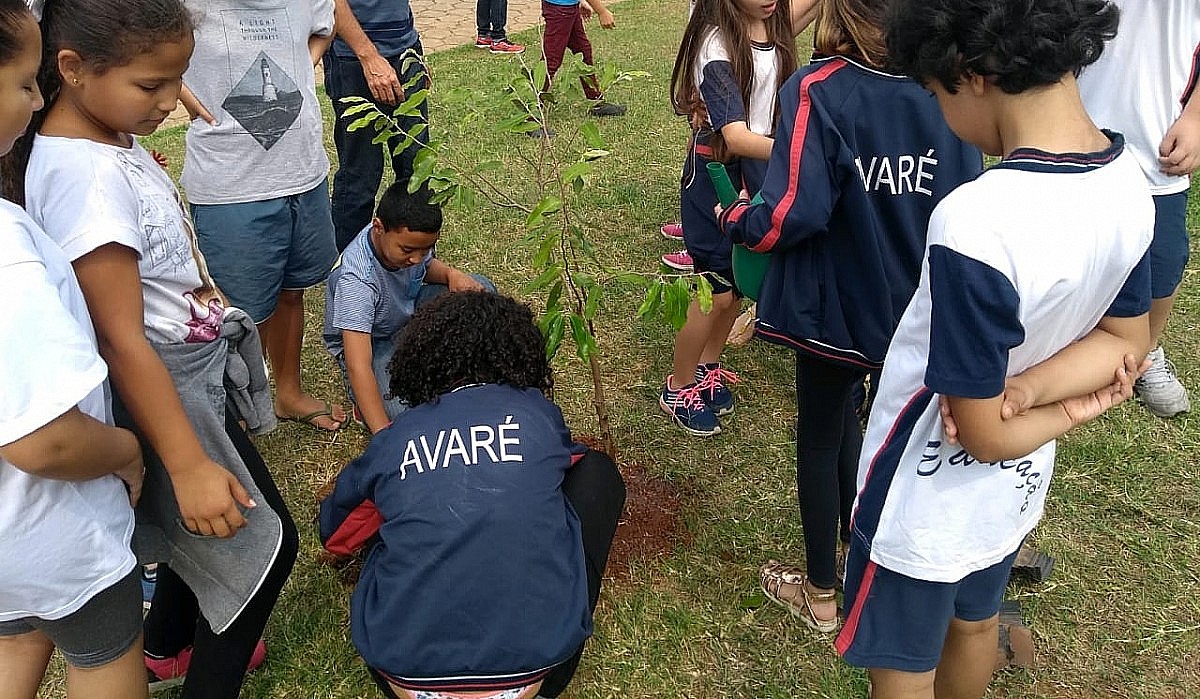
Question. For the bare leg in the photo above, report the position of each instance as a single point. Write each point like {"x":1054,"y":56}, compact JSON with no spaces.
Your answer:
{"x":896,"y":684}
{"x":1160,"y":309}
{"x":123,"y":678}
{"x":282,"y":335}
{"x":23,"y":661}
{"x":696,"y":339}
{"x":967,"y":659}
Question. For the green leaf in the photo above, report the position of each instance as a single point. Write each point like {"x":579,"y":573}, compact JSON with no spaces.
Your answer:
{"x":594,"y":154}
{"x":591,"y":135}
{"x":354,"y":99}
{"x":422,"y":168}
{"x":652,"y":300}
{"x":412,"y":105}
{"x":362,"y":122}
{"x":704,"y":293}
{"x":584,"y":342}
{"x":546,"y":278}
{"x":554,"y":335}
{"x":547,"y":205}
{"x":357,"y":108}
{"x":576,"y":172}
{"x":593,"y":302}
{"x":383,"y":136}
{"x":555,"y":295}
{"x":549,"y":242}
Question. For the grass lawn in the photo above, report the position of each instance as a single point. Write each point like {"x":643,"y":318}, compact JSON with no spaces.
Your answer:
{"x":1120,"y":617}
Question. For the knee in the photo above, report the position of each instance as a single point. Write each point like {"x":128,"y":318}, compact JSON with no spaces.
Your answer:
{"x":724,"y":301}
{"x":960,"y":628}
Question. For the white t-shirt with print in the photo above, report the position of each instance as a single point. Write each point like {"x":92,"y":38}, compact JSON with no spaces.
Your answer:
{"x":252,"y":70}
{"x":87,"y":194}
{"x":63,"y":541}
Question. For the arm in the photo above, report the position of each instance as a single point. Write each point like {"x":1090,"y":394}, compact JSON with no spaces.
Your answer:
{"x":741,"y":141}
{"x":381,"y":78}
{"x":602,"y":12}
{"x":358,"y":353}
{"x":348,"y":517}
{"x":208,"y":494}
{"x":439,"y":272}
{"x":317,"y":46}
{"x":194,"y":107}
{"x":77,"y":447}
{"x":1179,"y":152}
{"x":803,"y":14}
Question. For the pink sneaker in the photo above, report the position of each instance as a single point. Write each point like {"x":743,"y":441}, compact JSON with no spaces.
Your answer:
{"x":672,"y":231}
{"x":679,"y":261}
{"x":169,"y":672}
{"x":506,"y":46}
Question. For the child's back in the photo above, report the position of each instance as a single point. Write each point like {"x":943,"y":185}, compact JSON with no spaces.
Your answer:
{"x":1022,"y":261}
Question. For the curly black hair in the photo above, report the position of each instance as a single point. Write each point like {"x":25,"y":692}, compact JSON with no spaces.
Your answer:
{"x":468,"y":337}
{"x":1016,"y":44}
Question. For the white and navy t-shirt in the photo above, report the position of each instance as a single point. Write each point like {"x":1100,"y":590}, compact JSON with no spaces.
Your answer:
{"x":363,"y":296}
{"x":87,"y":194}
{"x":1144,"y":77}
{"x":63,"y":541}
{"x":1021,"y":262}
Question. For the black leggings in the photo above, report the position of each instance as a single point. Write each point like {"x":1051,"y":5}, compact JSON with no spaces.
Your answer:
{"x":174,"y":622}
{"x":828,"y":443}
{"x":595,"y":489}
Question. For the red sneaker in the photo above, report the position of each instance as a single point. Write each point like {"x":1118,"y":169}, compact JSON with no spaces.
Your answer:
{"x":506,"y":46}
{"x":483,"y":42}
{"x":164,"y":673}
{"x":672,"y":231}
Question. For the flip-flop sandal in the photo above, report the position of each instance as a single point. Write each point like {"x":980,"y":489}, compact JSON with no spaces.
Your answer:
{"x":774,"y":575}
{"x":310,"y":419}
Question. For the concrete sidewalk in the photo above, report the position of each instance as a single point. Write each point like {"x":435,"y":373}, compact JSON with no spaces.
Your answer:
{"x":450,"y":23}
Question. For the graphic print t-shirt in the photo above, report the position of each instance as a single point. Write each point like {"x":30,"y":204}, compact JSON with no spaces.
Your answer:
{"x":251,"y":69}
{"x":87,"y":194}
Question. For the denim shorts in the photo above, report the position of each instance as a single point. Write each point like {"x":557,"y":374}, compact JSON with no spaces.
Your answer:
{"x":1169,"y":248}
{"x":257,"y":249}
{"x":899,"y":623}
{"x":99,"y":632}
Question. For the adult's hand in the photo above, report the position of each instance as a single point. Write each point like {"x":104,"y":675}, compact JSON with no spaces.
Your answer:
{"x":382,"y":80}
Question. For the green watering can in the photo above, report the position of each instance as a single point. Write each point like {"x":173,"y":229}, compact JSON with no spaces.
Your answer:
{"x":749,"y":267}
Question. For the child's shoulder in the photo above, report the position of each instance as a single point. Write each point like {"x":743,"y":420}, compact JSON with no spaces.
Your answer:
{"x":20,"y":238}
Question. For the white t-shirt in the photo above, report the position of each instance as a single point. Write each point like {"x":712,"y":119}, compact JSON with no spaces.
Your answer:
{"x":1138,"y":85}
{"x":719,"y":90}
{"x":62,"y":541}
{"x":87,"y":194}
{"x":1020,"y":263}
{"x":252,"y":70}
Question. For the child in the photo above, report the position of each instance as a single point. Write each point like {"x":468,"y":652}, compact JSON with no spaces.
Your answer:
{"x":256,"y":171}
{"x":112,"y":71}
{"x":564,"y":30}
{"x":65,"y":475}
{"x":1040,"y":262}
{"x":861,"y":159}
{"x":490,"y":18}
{"x":1144,"y":86}
{"x":489,"y":529}
{"x":733,"y":57}
{"x":386,"y":272}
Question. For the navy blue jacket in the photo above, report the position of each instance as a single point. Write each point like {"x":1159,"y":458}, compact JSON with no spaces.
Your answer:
{"x":860,"y":159}
{"x":478,"y":579}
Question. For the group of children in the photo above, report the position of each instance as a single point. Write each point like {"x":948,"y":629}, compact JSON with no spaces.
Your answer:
{"x":1010,"y":305}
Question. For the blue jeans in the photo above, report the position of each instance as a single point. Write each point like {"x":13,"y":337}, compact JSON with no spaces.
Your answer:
{"x":360,"y":162}
{"x":382,"y":349}
{"x":490,"y":18}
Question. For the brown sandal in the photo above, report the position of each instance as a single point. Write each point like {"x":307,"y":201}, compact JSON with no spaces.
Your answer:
{"x":774,"y":575}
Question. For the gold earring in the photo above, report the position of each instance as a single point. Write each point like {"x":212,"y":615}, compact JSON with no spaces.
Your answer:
{"x":74,"y":81}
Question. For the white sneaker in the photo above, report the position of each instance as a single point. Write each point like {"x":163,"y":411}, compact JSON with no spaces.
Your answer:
{"x":1160,"y":389}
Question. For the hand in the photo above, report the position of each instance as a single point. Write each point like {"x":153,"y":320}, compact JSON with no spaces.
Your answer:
{"x":208,"y":498}
{"x":461,"y":281}
{"x":193,"y":106}
{"x":607,"y":21}
{"x":585,"y":11}
{"x":1018,"y":397}
{"x":382,"y":80}
{"x":133,"y":474}
{"x":743,"y":196}
{"x":699,"y":116}
{"x":1179,"y":152}
{"x":1081,"y":409}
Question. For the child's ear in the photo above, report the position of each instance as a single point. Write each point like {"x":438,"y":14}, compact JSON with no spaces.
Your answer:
{"x":70,"y":66}
{"x":377,"y":226}
{"x":977,"y":84}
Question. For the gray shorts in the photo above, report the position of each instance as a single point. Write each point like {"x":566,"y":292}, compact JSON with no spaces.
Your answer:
{"x":97,"y":633}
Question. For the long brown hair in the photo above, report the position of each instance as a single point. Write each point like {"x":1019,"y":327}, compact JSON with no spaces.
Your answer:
{"x":852,"y":28}
{"x":726,"y":17}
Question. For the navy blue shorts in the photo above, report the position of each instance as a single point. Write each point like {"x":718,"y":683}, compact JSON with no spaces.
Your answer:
{"x":1169,"y":248}
{"x":711,"y":250}
{"x":896,"y":622}
{"x":256,"y":249}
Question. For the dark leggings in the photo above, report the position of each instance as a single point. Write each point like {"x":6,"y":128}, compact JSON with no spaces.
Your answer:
{"x":828,"y":442}
{"x":595,"y":489}
{"x":219,"y":661}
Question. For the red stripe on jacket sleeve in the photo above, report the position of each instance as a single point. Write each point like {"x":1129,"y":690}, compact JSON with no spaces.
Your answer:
{"x":359,"y":526}
{"x":795,"y":153}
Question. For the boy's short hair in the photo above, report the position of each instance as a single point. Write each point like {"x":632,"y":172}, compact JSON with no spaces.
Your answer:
{"x":412,"y":210}
{"x":1016,"y":44}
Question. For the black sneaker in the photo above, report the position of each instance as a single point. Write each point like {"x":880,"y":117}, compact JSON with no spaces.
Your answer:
{"x":607,"y":109}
